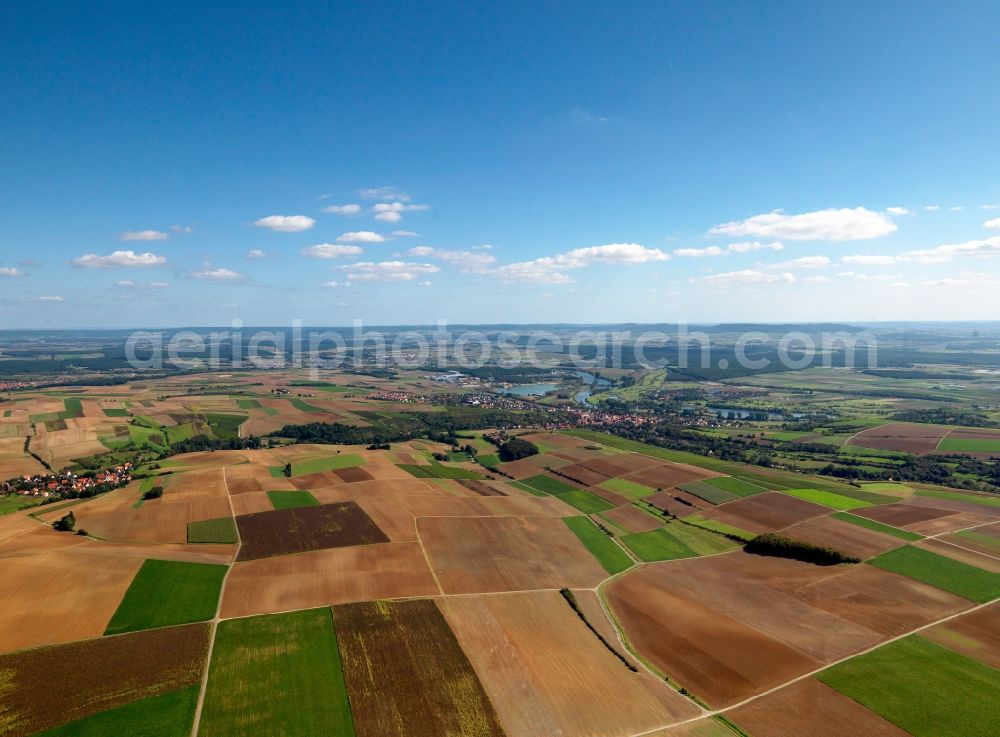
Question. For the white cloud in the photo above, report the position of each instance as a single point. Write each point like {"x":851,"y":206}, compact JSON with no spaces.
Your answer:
{"x":582,"y":117}
{"x":898,"y":211}
{"x":748,"y":246}
{"x":993,"y":224}
{"x":218,"y":274}
{"x":329,"y":250}
{"x":119,"y":260}
{"x":185,"y":229}
{"x":286,"y":223}
{"x":49,"y":298}
{"x":956,"y":208}
{"x":361,"y":236}
{"x":352,"y":209}
{"x":144,"y":235}
{"x":475,"y":262}
{"x":941,"y":254}
{"x":404,"y":234}
{"x":255,"y":253}
{"x":331,"y":284}
{"x":424,"y":284}
{"x":804,"y":262}
{"x":698,"y":252}
{"x":867,"y":277}
{"x":10,"y":271}
{"x":386,"y":271}
{"x":549,"y":269}
{"x":384,"y":193}
{"x":746,"y":276}
{"x":866,"y":259}
{"x":932,"y":208}
{"x":816,"y":279}
{"x":392,"y":212}
{"x":129,"y":284}
{"x":989,"y":207}
{"x":845,"y":224}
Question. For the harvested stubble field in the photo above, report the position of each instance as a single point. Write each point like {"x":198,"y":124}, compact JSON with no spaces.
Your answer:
{"x":906,"y":437}
{"x":277,"y":675}
{"x":96,"y":675}
{"x":407,"y":675}
{"x":843,"y":536}
{"x":547,"y":674}
{"x":297,"y":530}
{"x":476,"y":555}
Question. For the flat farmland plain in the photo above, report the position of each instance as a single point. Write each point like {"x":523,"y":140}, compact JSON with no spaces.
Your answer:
{"x":406,"y":674}
{"x":96,"y":675}
{"x":547,"y":674}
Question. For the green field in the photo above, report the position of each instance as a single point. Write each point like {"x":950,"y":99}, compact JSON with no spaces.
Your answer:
{"x":969,"y":445}
{"x":143,"y":436}
{"x":15,"y":503}
{"x":611,"y":557}
{"x":676,"y":540}
{"x":735,"y":486}
{"x":165,"y":593}
{"x":248,"y":404}
{"x":524,"y":487}
{"x":225,"y":427}
{"x":220,"y":530}
{"x":708,"y":492}
{"x":628,"y":489}
{"x":177,"y":433}
{"x":292,"y":499}
{"x":923,"y":688}
{"x":327,"y":463}
{"x":982,"y":499}
{"x":827,"y":499}
{"x":304,"y":405}
{"x":877,"y":526}
{"x":711,"y":524}
{"x":548,"y":484}
{"x":490,"y":460}
{"x":168,"y":715}
{"x":277,"y":675}
{"x":435,"y":470}
{"x":115,"y":411}
{"x":945,"y":573}
{"x":586,"y":501}
{"x":990,"y":542}
{"x":420,"y":472}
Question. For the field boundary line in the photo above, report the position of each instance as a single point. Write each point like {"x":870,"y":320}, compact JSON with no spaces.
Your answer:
{"x":427,"y":559}
{"x":196,"y":724}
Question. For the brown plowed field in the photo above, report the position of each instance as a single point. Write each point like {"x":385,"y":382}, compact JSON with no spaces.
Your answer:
{"x":766,"y":512}
{"x":584,"y":475}
{"x":668,"y":475}
{"x":352,"y":475}
{"x":843,"y":536}
{"x":908,"y":437}
{"x":251,"y":502}
{"x":532,"y":466}
{"x":609,"y":496}
{"x":474,"y":555}
{"x":719,"y":659}
{"x":621,"y":464}
{"x":301,"y":529}
{"x":955,"y":505}
{"x":810,"y":708}
{"x":481,"y":488}
{"x":245,"y":486}
{"x":547,"y":674}
{"x":673,"y":501}
{"x":986,"y":540}
{"x":633,"y":519}
{"x":324,"y":577}
{"x":976,"y":634}
{"x":406,"y":674}
{"x":60,"y":596}
{"x":902,"y":515}
{"x":951,"y":523}
{"x":49,"y":686}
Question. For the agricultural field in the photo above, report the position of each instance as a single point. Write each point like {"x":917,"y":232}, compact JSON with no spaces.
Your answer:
{"x":302,"y":528}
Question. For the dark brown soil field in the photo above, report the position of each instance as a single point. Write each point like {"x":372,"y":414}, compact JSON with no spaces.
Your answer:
{"x":668,"y":475}
{"x":902,"y":515}
{"x":811,"y":708}
{"x":316,"y":480}
{"x":673,"y":501}
{"x":616,"y":499}
{"x":766,"y":512}
{"x":584,"y":475}
{"x":633,"y":519}
{"x":352,"y":475}
{"x":971,"y":557}
{"x":244,"y":486}
{"x":478,"y":487}
{"x":843,"y":536}
{"x":284,"y":531}
{"x":955,"y":505}
{"x":621,"y":464}
{"x":902,"y":436}
{"x":976,"y":635}
{"x":406,"y":674}
{"x":49,"y":686}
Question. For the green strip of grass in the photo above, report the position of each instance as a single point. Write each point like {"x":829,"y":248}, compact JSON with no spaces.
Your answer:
{"x":827,"y":499}
{"x":167,"y":715}
{"x":735,"y":486}
{"x":166,"y":592}
{"x":945,"y":573}
{"x":711,"y":524}
{"x":248,"y":404}
{"x":329,"y":463}
{"x":225,"y":427}
{"x":219,"y":530}
{"x":676,"y":540}
{"x":586,"y":502}
{"x":303,"y":405}
{"x":986,"y":501}
{"x":969,"y":445}
{"x":525,"y":487}
{"x":611,"y":557}
{"x":923,"y":688}
{"x":292,"y":499}
{"x":628,"y":489}
{"x":420,"y":472}
{"x":277,"y":675}
{"x":709,"y":492}
{"x":877,"y":526}
{"x":115,"y":411}
{"x":548,"y":484}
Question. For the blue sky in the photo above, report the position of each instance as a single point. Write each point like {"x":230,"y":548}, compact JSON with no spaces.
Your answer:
{"x":518,"y":162}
